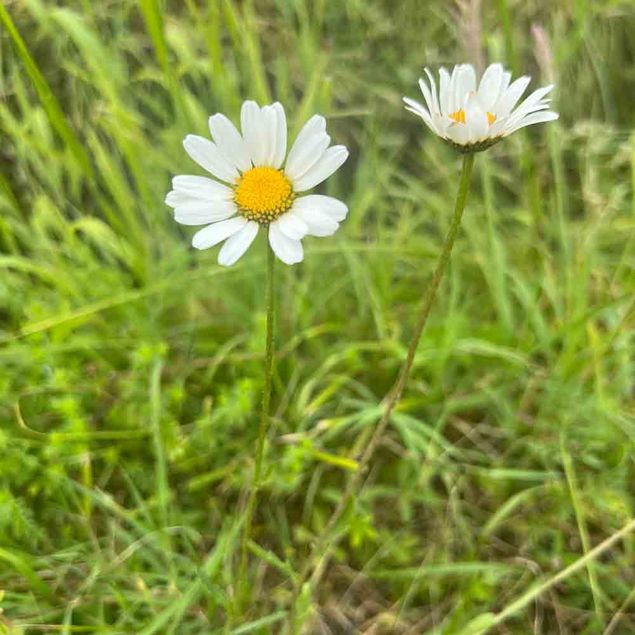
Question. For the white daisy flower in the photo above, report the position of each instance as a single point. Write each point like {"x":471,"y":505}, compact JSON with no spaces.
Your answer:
{"x":474,"y":118}
{"x":256,"y":191}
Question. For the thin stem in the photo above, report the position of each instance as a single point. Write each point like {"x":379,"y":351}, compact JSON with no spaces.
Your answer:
{"x":615,"y":620}
{"x":572,"y":483}
{"x":538,"y":589}
{"x":327,"y":541}
{"x":263,"y":427}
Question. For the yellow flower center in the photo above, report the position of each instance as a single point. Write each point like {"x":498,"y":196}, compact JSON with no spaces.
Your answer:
{"x":262,"y":194}
{"x":459,"y":116}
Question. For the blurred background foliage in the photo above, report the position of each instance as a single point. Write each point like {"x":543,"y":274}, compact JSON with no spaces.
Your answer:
{"x":130,"y":366}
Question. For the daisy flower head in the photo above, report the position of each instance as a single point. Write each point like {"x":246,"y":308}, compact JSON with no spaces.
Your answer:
{"x":251,"y":189}
{"x":473,"y":116}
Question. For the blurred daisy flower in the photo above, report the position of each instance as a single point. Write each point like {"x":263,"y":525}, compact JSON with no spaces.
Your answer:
{"x":256,"y":191}
{"x":473,"y":118}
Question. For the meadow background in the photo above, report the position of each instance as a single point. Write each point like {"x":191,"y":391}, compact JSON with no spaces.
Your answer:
{"x":130,"y":365}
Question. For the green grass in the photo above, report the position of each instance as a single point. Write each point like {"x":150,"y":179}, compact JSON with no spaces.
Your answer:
{"x":131,"y":366}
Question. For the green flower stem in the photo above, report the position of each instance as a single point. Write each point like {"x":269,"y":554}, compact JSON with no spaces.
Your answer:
{"x":263,"y":427}
{"x":328,"y":539}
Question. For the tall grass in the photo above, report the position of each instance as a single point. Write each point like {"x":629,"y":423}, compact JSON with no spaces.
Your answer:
{"x":131,"y":366}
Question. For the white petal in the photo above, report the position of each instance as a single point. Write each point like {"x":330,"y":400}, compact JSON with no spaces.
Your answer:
{"x":229,"y":141}
{"x":184,"y":202}
{"x":293,"y":226}
{"x":498,"y":128}
{"x":453,"y":104}
{"x":507,"y":76}
{"x":216,"y":233}
{"x":198,"y":200}
{"x":466,"y":80}
{"x":462,"y":78}
{"x":252,"y":126}
{"x":441,"y":124}
{"x":459,"y":133}
{"x":201,"y":187}
{"x":327,"y":205}
{"x":519,"y":114}
{"x":489,"y":87}
{"x":177,"y":198}
{"x":427,"y":94}
{"x":537,"y":117}
{"x":281,"y":136}
{"x":312,"y":210}
{"x":509,"y":98}
{"x":305,"y":154}
{"x":209,"y":157}
{"x":533,"y":99}
{"x":316,"y":123}
{"x":418,"y":109}
{"x":237,"y":245}
{"x":319,"y":224}
{"x":203,"y":212}
{"x":270,"y":122}
{"x":288,"y":250}
{"x":330,"y":161}
{"x":476,"y":121}
{"x":444,"y":91}
{"x":174,"y":198}
{"x":433,"y":90}
{"x":314,"y":127}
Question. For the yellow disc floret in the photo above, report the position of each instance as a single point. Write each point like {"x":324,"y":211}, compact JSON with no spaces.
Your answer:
{"x":263,"y":194}
{"x":459,"y":116}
